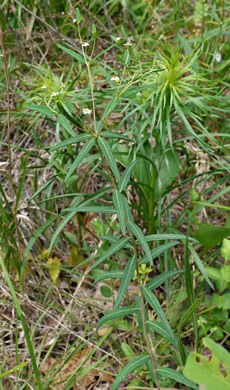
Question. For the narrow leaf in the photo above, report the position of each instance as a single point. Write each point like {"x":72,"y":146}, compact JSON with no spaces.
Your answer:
{"x":158,"y":251}
{"x":176,"y":376}
{"x":126,"y":279}
{"x":84,"y":151}
{"x":130,"y":367}
{"x":157,"y":327}
{"x":73,"y":54}
{"x":91,"y":209}
{"x":70,"y":141}
{"x":115,"y":314}
{"x":109,"y":275}
{"x":126,"y":176}
{"x":154,"y":303}
{"x":110,"y":107}
{"x":119,"y":206}
{"x":65,"y":124}
{"x":114,"y":249}
{"x":200,"y":265}
{"x":141,"y":238}
{"x":104,"y":145}
{"x":160,"y":279}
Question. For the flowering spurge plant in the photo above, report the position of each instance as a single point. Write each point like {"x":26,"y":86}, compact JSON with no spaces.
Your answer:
{"x":101,"y":150}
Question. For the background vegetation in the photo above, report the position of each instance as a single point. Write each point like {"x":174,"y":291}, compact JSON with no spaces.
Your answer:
{"x":114,"y":194}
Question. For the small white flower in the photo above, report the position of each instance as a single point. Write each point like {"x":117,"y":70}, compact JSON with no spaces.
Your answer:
{"x":218,"y":57}
{"x":128,"y":44}
{"x":115,"y":78}
{"x":86,"y":111}
{"x":118,"y":38}
{"x":54,"y":94}
{"x":44,"y":87}
{"x":74,"y":20}
{"x":84,"y":44}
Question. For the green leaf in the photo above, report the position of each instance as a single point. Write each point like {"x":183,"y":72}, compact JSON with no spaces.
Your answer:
{"x":65,"y":124}
{"x":176,"y":376}
{"x":200,"y":265}
{"x":209,"y":235}
{"x":84,"y":151}
{"x":130,"y":367}
{"x":91,"y":209}
{"x":59,"y":229}
{"x":157,"y":327}
{"x":136,"y":231}
{"x":70,"y":141}
{"x":212,"y":373}
{"x":158,"y":251}
{"x":78,"y":16}
{"x":114,"y":249}
{"x":160,"y":279}
{"x":115,"y":314}
{"x":109,"y":275}
{"x":160,"y":237}
{"x":119,"y":206}
{"x":225,"y":249}
{"x":106,"y":291}
{"x":154,"y":303}
{"x":126,"y":176}
{"x":168,"y":172}
{"x":40,"y":108}
{"x":188,"y":314}
{"x":110,"y":107}
{"x":126,"y":279}
{"x":73,"y":54}
{"x":104,"y":145}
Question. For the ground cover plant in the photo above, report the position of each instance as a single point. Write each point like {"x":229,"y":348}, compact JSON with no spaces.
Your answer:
{"x":114,"y":194}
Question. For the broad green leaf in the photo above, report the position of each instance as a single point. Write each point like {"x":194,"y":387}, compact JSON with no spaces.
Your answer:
{"x":176,"y":376}
{"x":40,"y":108}
{"x":225,"y":249}
{"x":73,"y":54}
{"x":214,"y":273}
{"x":84,"y":151}
{"x":160,"y":279}
{"x":130,"y":367}
{"x":65,"y":124}
{"x":157,"y":327}
{"x":200,"y":265}
{"x":212,"y":373}
{"x":110,"y":107}
{"x":126,"y":279}
{"x":222,"y":301}
{"x":115,"y":314}
{"x":136,"y":231}
{"x":126,"y":176}
{"x":168,"y":172}
{"x":158,"y":251}
{"x":154,"y":303}
{"x":108,"y":154}
{"x":119,"y":206}
{"x":209,"y":235}
{"x":114,"y":249}
{"x":109,"y":275}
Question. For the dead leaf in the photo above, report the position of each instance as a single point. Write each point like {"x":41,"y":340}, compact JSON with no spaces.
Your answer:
{"x":54,"y":267}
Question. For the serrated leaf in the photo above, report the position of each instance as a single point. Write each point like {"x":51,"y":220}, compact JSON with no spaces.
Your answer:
{"x":136,"y":231}
{"x":110,"y":107}
{"x":213,"y":373}
{"x":84,"y":151}
{"x":104,"y":145}
{"x":109,"y":275}
{"x":158,"y":251}
{"x":119,"y":206}
{"x":176,"y":376}
{"x":126,"y":279}
{"x":160,"y":279}
{"x":65,"y":124}
{"x":115,"y":314}
{"x":154,"y":303}
{"x":130,"y":367}
{"x":126,"y":176}
{"x":73,"y":54}
{"x":114,"y":249}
